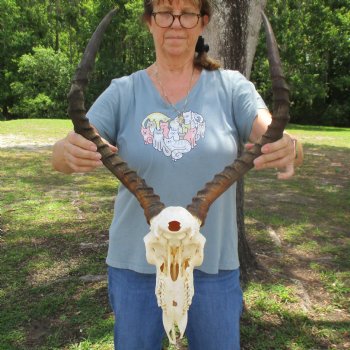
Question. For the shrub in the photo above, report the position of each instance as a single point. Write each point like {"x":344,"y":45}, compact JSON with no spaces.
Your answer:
{"x":42,"y":90}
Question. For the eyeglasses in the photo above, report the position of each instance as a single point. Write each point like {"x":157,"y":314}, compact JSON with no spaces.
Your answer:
{"x":166,"y":19}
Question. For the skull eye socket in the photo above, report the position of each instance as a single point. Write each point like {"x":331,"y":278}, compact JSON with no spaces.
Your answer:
{"x":174,"y":226}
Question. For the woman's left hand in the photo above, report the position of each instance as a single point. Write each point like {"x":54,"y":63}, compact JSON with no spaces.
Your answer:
{"x":280,"y":155}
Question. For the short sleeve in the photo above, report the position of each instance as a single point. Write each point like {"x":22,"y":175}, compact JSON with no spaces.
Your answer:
{"x":245,"y":104}
{"x":109,"y":107}
{"x":260,"y":102}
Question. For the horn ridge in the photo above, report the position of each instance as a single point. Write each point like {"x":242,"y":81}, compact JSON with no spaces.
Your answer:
{"x":280,"y":117}
{"x":149,"y":201}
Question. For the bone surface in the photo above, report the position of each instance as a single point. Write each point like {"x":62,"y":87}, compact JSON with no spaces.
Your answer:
{"x":175,"y":246}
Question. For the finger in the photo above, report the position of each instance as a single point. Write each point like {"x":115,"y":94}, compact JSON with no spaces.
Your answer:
{"x":276,"y":164}
{"x":81,"y":168}
{"x":78,"y":158}
{"x":111,"y":147}
{"x":277,"y":159}
{"x":249,"y":146}
{"x":82,"y":165}
{"x":285,"y":142}
{"x":81,"y":153}
{"x":81,"y":161}
{"x":287,"y":174}
{"x":80,"y":141}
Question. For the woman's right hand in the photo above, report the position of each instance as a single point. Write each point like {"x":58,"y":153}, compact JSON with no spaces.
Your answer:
{"x":76,"y":154}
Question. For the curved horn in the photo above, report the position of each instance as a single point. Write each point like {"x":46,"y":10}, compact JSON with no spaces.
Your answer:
{"x":149,"y":201}
{"x":280,"y":117}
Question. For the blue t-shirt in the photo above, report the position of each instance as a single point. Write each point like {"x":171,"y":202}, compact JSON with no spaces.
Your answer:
{"x":176,"y":155}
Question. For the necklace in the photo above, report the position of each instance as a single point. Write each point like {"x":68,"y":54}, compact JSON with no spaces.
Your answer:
{"x":156,"y":73}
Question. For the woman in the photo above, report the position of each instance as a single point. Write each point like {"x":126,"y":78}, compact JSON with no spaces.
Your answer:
{"x":177,"y":123}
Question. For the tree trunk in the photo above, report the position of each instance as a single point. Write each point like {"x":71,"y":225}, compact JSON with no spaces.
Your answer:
{"x":233,"y":36}
{"x":57,"y":29}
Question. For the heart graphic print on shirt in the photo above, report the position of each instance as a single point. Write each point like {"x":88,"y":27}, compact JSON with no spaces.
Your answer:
{"x":173,"y":137}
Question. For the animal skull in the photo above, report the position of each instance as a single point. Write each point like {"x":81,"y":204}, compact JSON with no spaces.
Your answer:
{"x":175,"y":246}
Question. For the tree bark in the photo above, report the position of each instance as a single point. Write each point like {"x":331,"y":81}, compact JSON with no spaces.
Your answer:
{"x":232,"y":36}
{"x":57,"y":28}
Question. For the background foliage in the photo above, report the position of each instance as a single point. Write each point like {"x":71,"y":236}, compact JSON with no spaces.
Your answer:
{"x":41,"y":44}
{"x":42,"y":40}
{"x":314,"y":42}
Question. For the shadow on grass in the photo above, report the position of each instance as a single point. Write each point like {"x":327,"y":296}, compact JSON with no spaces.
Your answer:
{"x":290,"y":331}
{"x":43,"y":303}
{"x":55,"y":316}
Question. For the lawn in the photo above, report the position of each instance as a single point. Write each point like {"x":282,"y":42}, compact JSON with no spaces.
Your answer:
{"x":54,"y":232}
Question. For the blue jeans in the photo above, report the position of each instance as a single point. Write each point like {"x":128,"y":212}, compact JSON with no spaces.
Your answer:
{"x":213,"y":317}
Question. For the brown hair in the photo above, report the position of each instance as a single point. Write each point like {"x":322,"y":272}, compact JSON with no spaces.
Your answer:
{"x":201,"y":59}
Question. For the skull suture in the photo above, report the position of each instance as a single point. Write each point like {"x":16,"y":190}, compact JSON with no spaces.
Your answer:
{"x":175,"y":246}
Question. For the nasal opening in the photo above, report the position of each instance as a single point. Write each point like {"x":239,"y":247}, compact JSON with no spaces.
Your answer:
{"x":174,"y":226}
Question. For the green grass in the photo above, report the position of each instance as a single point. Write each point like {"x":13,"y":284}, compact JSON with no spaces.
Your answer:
{"x":321,"y":135}
{"x":298,"y":300}
{"x":310,"y":214}
{"x":36,"y":128}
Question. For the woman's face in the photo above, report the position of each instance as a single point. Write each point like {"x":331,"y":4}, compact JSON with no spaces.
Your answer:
{"x":176,"y":40}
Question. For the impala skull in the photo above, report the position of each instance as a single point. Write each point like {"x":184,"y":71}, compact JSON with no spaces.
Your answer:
{"x":174,"y":243}
{"x":175,"y":246}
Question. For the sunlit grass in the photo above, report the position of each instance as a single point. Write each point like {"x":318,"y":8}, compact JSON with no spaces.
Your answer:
{"x":42,"y":129}
{"x":321,"y":136}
